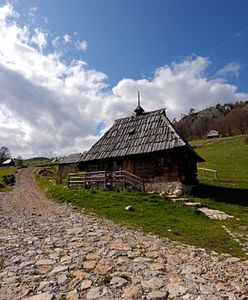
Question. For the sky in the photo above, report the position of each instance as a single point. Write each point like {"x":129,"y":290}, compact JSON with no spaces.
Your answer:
{"x":68,"y":69}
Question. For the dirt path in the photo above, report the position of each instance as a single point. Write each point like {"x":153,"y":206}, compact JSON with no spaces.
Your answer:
{"x":48,"y":251}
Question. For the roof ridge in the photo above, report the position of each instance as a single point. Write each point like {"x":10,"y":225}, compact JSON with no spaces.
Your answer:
{"x":143,"y":114}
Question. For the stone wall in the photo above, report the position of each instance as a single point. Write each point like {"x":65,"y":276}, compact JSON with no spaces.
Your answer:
{"x":159,"y":185}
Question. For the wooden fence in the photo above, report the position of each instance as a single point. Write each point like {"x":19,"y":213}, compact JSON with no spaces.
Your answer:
{"x":208,"y":173}
{"x":107,"y":180}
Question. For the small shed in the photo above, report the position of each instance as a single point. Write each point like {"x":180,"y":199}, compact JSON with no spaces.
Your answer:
{"x":8,"y":163}
{"x":147,"y":145}
{"x":68,"y":164}
{"x":213,"y":134}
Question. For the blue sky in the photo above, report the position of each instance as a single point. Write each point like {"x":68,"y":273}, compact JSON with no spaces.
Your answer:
{"x":69,"y":68}
{"x":131,"y":38}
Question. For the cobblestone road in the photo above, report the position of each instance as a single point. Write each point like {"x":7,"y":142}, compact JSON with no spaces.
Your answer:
{"x":50,"y":251}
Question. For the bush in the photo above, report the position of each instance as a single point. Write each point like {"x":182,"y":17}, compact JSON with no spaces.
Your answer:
{"x":9,"y":179}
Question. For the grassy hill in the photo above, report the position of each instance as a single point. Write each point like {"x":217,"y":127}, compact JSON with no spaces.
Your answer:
{"x":229,"y":156}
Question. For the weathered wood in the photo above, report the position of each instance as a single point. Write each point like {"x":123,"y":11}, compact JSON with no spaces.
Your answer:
{"x":105,"y":179}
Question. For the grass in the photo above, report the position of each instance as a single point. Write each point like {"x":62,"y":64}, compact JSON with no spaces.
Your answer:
{"x":229,"y":156}
{"x":229,"y":192}
{"x":4,"y":171}
{"x":157,"y":215}
{"x":153,"y":213}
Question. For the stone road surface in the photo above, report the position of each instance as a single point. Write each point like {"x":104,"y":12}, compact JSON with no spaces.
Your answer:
{"x":50,"y":251}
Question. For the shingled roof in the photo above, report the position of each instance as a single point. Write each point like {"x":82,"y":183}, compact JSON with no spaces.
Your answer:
{"x":137,"y":134}
{"x":72,"y":158}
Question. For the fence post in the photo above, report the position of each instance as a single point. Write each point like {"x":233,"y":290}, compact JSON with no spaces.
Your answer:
{"x":105,"y":180}
{"x":69,"y":176}
{"x":85,"y":179}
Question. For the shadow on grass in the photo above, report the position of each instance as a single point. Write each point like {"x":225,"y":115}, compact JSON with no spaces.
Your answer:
{"x":221,"y":194}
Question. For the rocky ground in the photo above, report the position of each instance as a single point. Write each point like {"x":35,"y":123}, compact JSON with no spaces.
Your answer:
{"x":50,"y":251}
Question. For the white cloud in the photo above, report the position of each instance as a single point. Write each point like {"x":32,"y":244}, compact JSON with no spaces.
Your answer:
{"x":81,"y":46}
{"x":39,"y":39}
{"x":50,"y":107}
{"x":232,"y":68}
{"x":7,"y":11}
{"x":67,"y":38}
{"x":179,"y":87}
{"x":56,"y":42}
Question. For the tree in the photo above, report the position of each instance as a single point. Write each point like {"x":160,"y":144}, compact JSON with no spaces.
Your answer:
{"x":4,"y":154}
{"x":19,"y":161}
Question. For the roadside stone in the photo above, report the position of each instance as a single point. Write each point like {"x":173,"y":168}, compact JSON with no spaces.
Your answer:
{"x":120,"y":246}
{"x":157,"y":295}
{"x":206,"y":289}
{"x":142,"y":260}
{"x":132,"y":292}
{"x":89,"y":264}
{"x":157,"y":266}
{"x":86,"y":284}
{"x":42,"y":296}
{"x":152,"y":254}
{"x":232,"y":260}
{"x":118,"y":282}
{"x":65,"y":259}
{"x":92,"y":256}
{"x":42,"y":262}
{"x":194,"y":204}
{"x":44,"y":269}
{"x":62,"y":279}
{"x":102,"y":269}
{"x":153,"y":283}
{"x":231,"y":296}
{"x":59,"y":269}
{"x":73,"y":295}
{"x":96,"y":293}
{"x":43,"y":285}
{"x":176,"y":290}
{"x":27,"y":263}
{"x":214,"y":214}
{"x":78,"y":274}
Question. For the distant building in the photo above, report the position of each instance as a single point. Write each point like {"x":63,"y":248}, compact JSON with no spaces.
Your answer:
{"x":213,"y":134}
{"x":8,"y":163}
{"x":68,"y":164}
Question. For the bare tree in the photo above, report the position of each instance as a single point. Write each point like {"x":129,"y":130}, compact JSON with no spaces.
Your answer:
{"x":4,"y":153}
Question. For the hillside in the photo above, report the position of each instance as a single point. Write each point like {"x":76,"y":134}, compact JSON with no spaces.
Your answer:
{"x":228,"y":119}
{"x":228,"y":156}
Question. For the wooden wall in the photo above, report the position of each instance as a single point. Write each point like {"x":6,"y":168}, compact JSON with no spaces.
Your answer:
{"x":170,"y":166}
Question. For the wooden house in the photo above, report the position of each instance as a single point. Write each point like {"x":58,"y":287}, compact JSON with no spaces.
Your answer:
{"x":212,"y":134}
{"x":146,"y":145}
{"x":8,"y":163}
{"x":68,"y":164}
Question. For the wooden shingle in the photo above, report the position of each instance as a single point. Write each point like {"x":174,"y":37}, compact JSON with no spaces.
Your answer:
{"x":138,"y":134}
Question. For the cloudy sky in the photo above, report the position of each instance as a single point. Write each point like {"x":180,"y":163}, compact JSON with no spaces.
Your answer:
{"x":69,"y":68}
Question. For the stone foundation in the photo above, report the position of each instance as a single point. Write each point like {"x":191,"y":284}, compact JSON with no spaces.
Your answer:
{"x":171,"y":188}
